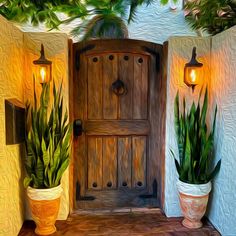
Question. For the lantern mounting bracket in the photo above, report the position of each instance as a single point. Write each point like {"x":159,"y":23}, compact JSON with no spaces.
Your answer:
{"x":42,"y":60}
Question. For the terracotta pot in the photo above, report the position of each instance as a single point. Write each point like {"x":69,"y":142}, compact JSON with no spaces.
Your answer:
{"x":193,"y":202}
{"x":44,"y":204}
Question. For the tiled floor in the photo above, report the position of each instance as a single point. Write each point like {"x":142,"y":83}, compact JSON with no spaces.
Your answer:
{"x":122,"y":222}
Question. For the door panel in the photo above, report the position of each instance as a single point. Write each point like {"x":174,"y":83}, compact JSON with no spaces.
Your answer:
{"x":139,"y":145}
{"x":116,"y":157}
{"x":95,"y":159}
{"x":126,"y":74}
{"x":124,"y":162}
{"x":110,"y":100}
{"x":140,"y":90}
{"x":94,"y":83}
{"x":109,"y":180}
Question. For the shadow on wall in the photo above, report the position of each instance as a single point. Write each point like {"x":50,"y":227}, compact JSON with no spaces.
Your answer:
{"x":22,"y":192}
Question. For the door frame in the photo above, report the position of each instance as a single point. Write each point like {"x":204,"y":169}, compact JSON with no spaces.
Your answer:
{"x":158,"y":79}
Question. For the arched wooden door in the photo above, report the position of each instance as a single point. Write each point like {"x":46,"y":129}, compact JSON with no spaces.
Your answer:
{"x":119,"y":99}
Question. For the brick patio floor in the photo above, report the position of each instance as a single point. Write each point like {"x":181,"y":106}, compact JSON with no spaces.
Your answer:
{"x":122,"y":222}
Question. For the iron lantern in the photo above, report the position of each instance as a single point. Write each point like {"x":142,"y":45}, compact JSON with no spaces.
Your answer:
{"x":192,"y":71}
{"x":43,"y":67}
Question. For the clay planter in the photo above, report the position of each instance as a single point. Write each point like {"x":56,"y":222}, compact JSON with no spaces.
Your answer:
{"x":193,"y":202}
{"x":44,"y":204}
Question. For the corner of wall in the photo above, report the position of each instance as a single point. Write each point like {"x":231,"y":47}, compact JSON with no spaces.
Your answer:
{"x":179,"y":52}
{"x":222,"y":203}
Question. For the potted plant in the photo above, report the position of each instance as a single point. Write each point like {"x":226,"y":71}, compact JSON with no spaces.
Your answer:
{"x":48,"y":141}
{"x":195,"y":146}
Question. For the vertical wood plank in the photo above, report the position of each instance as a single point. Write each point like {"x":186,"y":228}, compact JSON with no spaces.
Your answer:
{"x":140,"y":91}
{"x":110,"y":74}
{"x":126,"y":74}
{"x":94,"y":87}
{"x":157,"y":98}
{"x":94,"y":163}
{"x":109,"y":163}
{"x":79,"y":108}
{"x":139,"y":145}
{"x":124,"y":162}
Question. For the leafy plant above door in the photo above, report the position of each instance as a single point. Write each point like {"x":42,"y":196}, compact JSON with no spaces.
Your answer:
{"x":213,"y":16}
{"x":99,"y":18}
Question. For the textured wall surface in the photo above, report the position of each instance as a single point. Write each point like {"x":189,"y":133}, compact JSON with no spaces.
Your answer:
{"x":179,"y":52}
{"x":56,"y":50}
{"x":11,"y":85}
{"x":155,"y":23}
{"x":218,"y":55}
{"x":17,"y":51}
{"x":223,"y":91}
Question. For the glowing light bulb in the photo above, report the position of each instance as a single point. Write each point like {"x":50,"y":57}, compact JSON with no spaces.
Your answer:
{"x":193,"y":76}
{"x":43,"y":74}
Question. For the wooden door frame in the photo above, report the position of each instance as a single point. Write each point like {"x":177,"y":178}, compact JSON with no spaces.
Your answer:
{"x":158,"y":77}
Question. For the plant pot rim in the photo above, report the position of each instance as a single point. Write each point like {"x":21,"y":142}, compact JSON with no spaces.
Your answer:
{"x":45,"y":193}
{"x":193,"y":189}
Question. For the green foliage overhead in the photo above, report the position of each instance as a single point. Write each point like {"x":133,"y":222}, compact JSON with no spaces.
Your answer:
{"x":100,"y":18}
{"x":37,"y":11}
{"x":48,"y":140}
{"x":213,"y":16}
{"x":195,"y":143}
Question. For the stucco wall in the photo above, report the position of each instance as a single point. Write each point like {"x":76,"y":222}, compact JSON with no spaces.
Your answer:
{"x":223,"y":91}
{"x":11,"y":85}
{"x":179,"y":52}
{"x":17,"y":51}
{"x":56,"y":50}
{"x":156,"y":23}
{"x":218,"y":55}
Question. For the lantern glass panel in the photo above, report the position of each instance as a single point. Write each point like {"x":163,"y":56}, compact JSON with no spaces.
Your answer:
{"x":43,"y":73}
{"x":192,"y":75}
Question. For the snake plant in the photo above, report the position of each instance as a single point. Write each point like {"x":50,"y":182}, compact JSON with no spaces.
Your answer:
{"x":48,"y":140}
{"x":195,"y":142}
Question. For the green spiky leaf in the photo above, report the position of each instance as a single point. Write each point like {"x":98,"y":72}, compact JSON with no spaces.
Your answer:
{"x":48,"y":140}
{"x":195,"y":143}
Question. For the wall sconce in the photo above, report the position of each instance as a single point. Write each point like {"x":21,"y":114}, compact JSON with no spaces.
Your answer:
{"x":192,"y":71}
{"x":43,"y":67}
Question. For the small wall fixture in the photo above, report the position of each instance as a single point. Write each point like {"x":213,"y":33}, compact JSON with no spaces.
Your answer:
{"x":192,"y":71}
{"x":43,"y":67}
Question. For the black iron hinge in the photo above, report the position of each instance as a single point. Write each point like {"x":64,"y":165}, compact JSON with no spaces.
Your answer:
{"x":79,"y":52}
{"x":155,"y":54}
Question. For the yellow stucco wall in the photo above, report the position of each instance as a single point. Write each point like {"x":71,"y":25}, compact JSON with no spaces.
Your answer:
{"x":17,"y":51}
{"x":11,"y":75}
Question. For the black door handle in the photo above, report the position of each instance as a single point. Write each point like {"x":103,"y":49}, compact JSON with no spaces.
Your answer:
{"x":118,"y":87}
{"x":77,"y":128}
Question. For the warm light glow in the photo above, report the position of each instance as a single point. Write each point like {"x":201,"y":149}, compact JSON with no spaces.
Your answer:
{"x":193,"y":76}
{"x":43,"y":74}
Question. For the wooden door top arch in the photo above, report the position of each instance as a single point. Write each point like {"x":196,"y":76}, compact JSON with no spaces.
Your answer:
{"x":98,"y":46}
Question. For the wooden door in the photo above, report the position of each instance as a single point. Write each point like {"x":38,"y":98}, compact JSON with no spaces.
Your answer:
{"x":117,"y":98}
